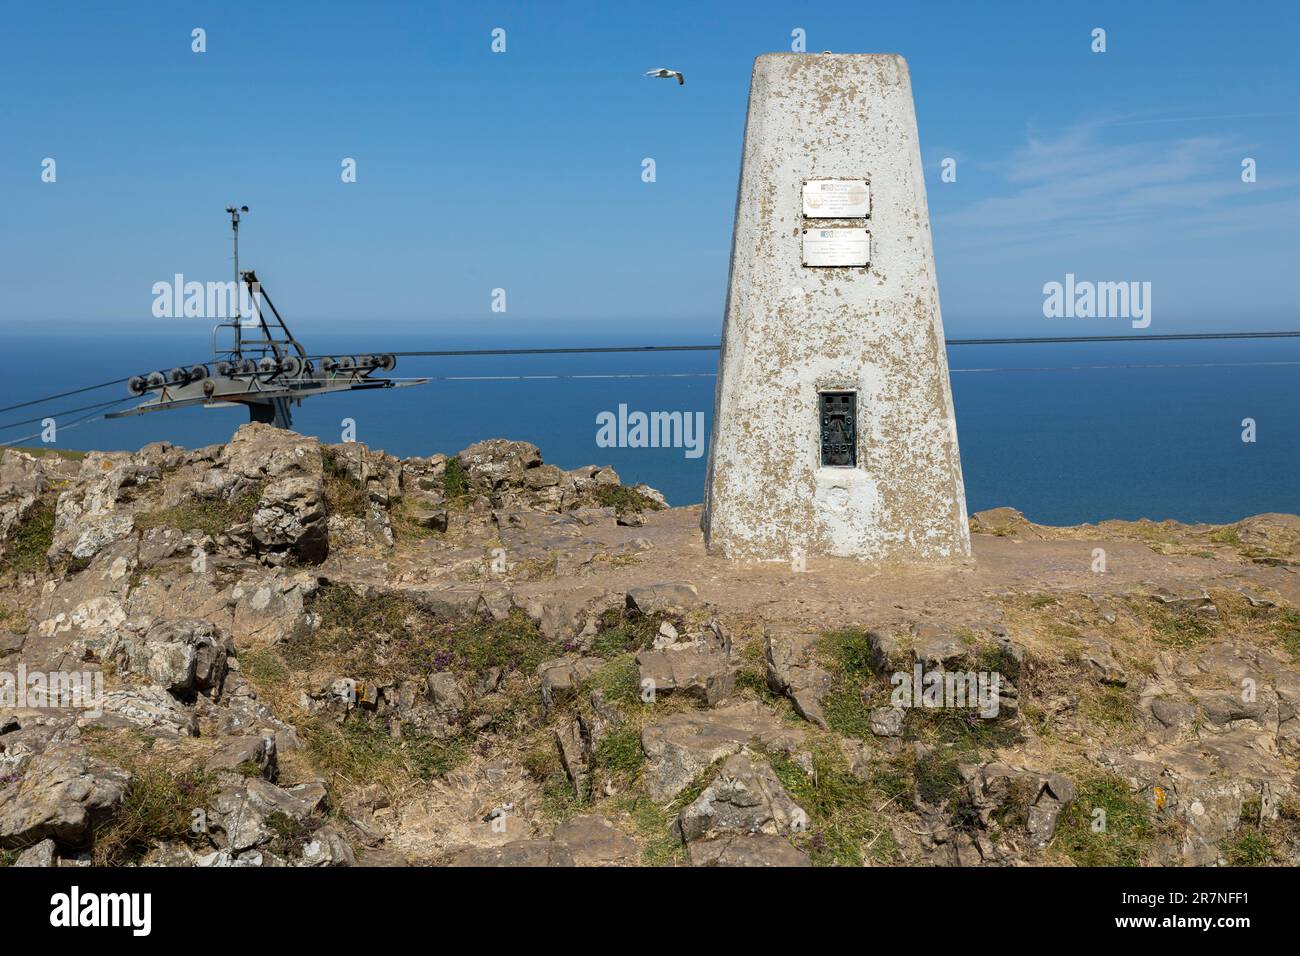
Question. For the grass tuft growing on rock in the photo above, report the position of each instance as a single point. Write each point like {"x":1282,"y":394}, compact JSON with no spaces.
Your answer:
{"x":847,"y":654}
{"x":619,"y":751}
{"x":1121,"y":834}
{"x":290,"y":835}
{"x":263,"y":666}
{"x":158,"y":807}
{"x":625,"y":500}
{"x":13,"y":619}
{"x":1174,"y":627}
{"x":1286,"y":625}
{"x":843,"y":828}
{"x":344,"y":495}
{"x":210,"y":516}
{"x":1250,"y":846}
{"x":654,"y":825}
{"x":455,"y":480}
{"x":624,"y":632}
{"x":25,"y":551}
{"x":362,"y":751}
{"x":619,"y":680}
{"x":389,"y":636}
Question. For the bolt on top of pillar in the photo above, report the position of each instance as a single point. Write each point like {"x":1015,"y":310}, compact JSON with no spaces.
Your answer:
{"x":833,"y":429}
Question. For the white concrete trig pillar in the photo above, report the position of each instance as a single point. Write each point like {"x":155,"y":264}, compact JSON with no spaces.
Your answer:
{"x":833,"y":430}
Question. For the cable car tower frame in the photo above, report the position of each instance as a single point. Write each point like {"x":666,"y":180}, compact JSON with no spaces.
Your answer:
{"x":261,"y":365}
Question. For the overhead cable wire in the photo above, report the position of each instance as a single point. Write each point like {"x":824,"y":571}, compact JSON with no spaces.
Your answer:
{"x":453,"y":353}
{"x":75,"y":391}
{"x":81,"y":421}
{"x":1021,"y":340}
{"x":67,"y":411}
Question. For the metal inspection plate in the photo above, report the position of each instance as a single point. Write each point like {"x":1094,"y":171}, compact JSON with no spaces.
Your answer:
{"x":838,"y":246}
{"x":837,"y":199}
{"x":837,"y":414}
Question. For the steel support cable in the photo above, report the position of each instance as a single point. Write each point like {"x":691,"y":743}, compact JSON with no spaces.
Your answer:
{"x":1023,"y":340}
{"x":67,"y":411}
{"x":81,"y":421}
{"x":75,"y":391}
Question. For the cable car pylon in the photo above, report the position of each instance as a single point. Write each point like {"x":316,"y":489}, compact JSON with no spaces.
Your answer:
{"x":259,"y":364}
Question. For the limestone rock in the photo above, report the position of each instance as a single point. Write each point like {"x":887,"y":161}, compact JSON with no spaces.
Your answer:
{"x":1035,"y":799}
{"x":62,"y":795}
{"x":700,"y":672}
{"x":1188,"y":600}
{"x":327,"y":848}
{"x":757,"y":850}
{"x":261,"y":452}
{"x":745,"y":797}
{"x":575,"y":755}
{"x":497,"y":462}
{"x":1099,"y":657}
{"x":668,"y":597}
{"x":518,"y":853}
{"x":935,"y":646}
{"x":886,"y":651}
{"x":792,"y":669}
{"x":11,"y":643}
{"x":43,"y":855}
{"x":561,"y":677}
{"x":887,"y":721}
{"x":148,"y":707}
{"x":240,"y":753}
{"x":680,"y":746}
{"x":290,"y":523}
{"x":592,"y":840}
{"x":185,"y":656}
{"x":569,"y":615}
{"x":238,"y":816}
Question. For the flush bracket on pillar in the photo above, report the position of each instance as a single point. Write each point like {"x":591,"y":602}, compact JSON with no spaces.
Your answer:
{"x":837,"y":415}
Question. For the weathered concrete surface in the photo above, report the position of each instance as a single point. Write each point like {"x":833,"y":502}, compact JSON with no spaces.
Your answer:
{"x":792,"y":331}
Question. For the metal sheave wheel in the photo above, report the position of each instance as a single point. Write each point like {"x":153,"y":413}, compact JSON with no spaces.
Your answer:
{"x":388,"y":362}
{"x":136,"y":385}
{"x":198,"y":373}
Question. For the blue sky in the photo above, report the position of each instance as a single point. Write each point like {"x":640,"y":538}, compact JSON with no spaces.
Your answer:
{"x":522,"y":170}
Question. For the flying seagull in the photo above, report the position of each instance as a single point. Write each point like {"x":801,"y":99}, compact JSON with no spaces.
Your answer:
{"x":667,"y":75}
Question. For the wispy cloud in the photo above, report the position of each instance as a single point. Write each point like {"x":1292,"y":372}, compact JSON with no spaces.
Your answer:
{"x":1082,"y":185}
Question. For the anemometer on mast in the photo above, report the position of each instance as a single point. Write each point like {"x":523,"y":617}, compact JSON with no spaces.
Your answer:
{"x":258,"y":362}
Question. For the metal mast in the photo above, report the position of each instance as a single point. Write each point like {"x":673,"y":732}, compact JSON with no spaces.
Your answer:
{"x":236,"y":318}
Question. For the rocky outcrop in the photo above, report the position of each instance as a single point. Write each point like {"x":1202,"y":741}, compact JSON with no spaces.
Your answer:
{"x":745,"y":797}
{"x":681,"y":746}
{"x":793,"y":670}
{"x":326,"y":656}
{"x":1033,"y":800}
{"x":696,"y":665}
{"x":758,"y":850}
{"x":63,"y":795}
{"x":183,"y":656}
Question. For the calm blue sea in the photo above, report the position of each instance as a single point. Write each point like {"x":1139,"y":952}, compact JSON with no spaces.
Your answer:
{"x":1063,"y":442}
